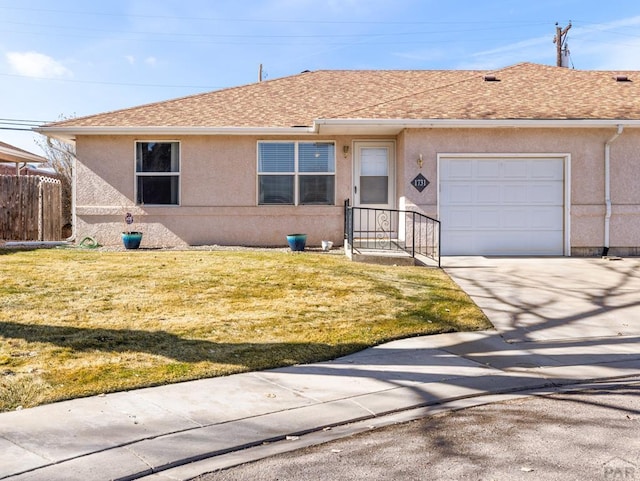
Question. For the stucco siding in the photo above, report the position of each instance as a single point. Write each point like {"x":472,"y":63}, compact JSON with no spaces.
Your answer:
{"x":585,"y":148}
{"x":625,"y":169}
{"x":218,"y":185}
{"x":218,"y":195}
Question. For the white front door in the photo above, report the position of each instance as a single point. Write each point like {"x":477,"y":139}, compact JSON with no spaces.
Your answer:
{"x":374,"y":176}
{"x":374,"y":188}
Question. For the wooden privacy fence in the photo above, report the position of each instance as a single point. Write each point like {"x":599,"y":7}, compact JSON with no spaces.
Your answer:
{"x":30,"y":208}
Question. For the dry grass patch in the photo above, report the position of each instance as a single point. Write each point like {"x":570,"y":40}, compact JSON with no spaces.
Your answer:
{"x":76,"y":323}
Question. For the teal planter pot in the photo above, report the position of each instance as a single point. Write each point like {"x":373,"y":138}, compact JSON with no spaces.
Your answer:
{"x":131,"y":240}
{"x":297,"y":241}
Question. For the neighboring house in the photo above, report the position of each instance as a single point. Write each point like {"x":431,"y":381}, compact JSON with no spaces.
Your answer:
{"x":16,"y":161}
{"x":28,"y":169}
{"x":524,"y":160}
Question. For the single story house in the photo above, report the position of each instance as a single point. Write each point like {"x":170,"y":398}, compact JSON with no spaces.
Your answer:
{"x":17,"y":161}
{"x":525,"y":160}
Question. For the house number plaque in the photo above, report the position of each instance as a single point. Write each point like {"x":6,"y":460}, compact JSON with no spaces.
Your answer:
{"x":420,"y":182}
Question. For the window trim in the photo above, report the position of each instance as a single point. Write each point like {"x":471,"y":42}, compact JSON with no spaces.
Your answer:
{"x":137,"y":174}
{"x":296,"y":173}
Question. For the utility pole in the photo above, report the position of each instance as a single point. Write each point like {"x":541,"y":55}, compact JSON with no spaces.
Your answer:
{"x":260,"y":73}
{"x":559,"y":40}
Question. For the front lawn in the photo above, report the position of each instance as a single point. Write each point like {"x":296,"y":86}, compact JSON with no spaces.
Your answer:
{"x":75,"y":322}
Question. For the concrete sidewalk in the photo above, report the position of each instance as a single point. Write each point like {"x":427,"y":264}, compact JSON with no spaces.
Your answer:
{"x":587,"y":327}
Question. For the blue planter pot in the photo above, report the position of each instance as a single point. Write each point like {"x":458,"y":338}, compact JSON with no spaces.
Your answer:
{"x":131,"y":240}
{"x":297,"y":241}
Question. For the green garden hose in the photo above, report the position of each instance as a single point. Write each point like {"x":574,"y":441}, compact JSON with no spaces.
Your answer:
{"x":89,"y":243}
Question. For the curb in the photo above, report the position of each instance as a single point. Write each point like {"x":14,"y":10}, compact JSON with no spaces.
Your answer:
{"x":190,"y":468}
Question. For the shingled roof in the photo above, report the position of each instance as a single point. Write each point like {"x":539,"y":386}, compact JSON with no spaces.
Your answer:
{"x":523,"y":91}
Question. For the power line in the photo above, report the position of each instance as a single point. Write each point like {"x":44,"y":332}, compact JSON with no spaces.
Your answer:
{"x":310,"y":41}
{"x":256,"y":36}
{"x":263,"y":20}
{"x":16,"y":129}
{"x":99,"y":82}
{"x":23,"y":125}
{"x":27,"y":121}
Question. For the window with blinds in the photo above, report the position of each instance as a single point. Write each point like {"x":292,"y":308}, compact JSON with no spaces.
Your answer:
{"x":296,"y":173}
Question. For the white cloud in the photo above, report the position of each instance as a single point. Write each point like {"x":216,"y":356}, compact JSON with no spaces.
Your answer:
{"x":537,"y":49}
{"x":34,"y":64}
{"x":425,"y":55}
{"x":516,"y":46}
{"x":150,"y":61}
{"x":623,"y":56}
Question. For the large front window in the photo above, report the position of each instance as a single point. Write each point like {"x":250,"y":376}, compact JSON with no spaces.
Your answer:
{"x":157,"y":173}
{"x":296,"y":173}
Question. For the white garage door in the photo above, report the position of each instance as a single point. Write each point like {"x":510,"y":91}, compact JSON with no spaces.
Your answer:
{"x":502,"y":206}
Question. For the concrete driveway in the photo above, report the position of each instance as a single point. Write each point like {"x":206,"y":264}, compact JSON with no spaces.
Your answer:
{"x":553,"y":298}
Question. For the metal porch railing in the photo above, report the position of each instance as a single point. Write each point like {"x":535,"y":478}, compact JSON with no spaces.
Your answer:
{"x":407,"y":231}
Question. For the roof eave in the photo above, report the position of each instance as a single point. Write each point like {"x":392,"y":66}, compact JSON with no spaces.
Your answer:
{"x":70,"y":133}
{"x":337,"y":127}
{"x":395,"y":126}
{"x":19,"y":157}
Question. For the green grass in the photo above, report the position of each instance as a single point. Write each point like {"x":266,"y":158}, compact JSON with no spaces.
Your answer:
{"x":76,"y":323}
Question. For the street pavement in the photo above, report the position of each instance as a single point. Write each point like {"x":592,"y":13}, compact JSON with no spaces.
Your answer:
{"x":590,"y":433}
{"x":559,"y":322}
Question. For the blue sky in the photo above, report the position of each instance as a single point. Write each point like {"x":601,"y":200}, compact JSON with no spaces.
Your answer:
{"x":74,"y":58}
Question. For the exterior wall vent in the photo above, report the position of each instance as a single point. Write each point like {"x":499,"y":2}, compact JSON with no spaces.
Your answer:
{"x":491,"y":78}
{"x":622,"y":78}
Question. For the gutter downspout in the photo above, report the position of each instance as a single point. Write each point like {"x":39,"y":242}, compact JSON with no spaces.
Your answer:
{"x":74,"y":222}
{"x":607,"y":188}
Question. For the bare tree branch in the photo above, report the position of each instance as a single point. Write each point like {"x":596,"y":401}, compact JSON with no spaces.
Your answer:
{"x":60,"y":155}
